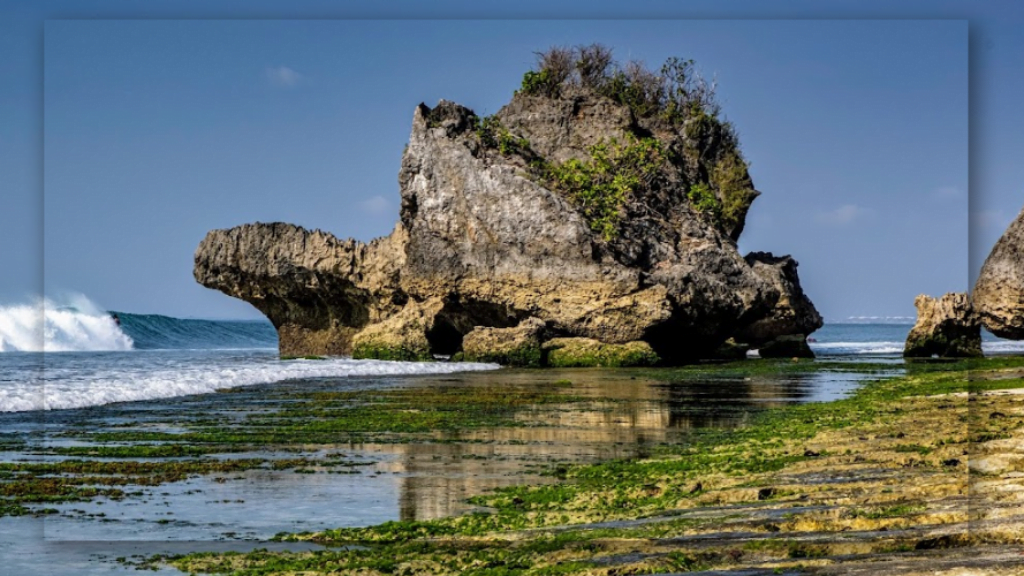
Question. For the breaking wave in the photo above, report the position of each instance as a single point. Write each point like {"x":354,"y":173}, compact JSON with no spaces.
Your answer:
{"x":46,"y":326}
{"x":81,"y":326}
{"x":107,"y":357}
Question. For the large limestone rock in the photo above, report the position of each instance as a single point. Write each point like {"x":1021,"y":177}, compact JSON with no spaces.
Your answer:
{"x":998,"y":295}
{"x":483,"y":241}
{"x":404,"y":336}
{"x":946,"y":327}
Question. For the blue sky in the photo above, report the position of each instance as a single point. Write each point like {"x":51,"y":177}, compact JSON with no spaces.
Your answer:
{"x":159,"y":130}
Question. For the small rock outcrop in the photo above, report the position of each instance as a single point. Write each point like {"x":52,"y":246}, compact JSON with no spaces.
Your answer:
{"x":792,"y":313}
{"x":998,"y":295}
{"x":573,"y":208}
{"x":946,"y":327}
{"x":518,"y":346}
{"x":786,"y":346}
{"x":582,"y":352}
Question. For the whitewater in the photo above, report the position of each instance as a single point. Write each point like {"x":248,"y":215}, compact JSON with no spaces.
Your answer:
{"x":75,"y":355}
{"x":78,"y":380}
{"x":48,"y":327}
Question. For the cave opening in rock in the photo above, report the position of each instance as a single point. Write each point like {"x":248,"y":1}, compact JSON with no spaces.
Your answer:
{"x":444,"y":338}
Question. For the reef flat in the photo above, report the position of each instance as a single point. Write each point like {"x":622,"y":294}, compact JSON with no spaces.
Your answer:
{"x":912,"y":474}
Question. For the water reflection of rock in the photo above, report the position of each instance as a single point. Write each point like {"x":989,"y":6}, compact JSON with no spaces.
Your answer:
{"x":625,"y":419}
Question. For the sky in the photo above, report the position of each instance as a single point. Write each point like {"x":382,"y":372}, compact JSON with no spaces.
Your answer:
{"x":882,"y":148}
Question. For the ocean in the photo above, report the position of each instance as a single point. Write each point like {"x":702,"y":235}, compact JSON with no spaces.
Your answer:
{"x":79,"y":356}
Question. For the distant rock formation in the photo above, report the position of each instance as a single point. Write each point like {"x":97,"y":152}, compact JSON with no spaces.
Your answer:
{"x":946,"y":327}
{"x":998,"y":295}
{"x":570,"y":209}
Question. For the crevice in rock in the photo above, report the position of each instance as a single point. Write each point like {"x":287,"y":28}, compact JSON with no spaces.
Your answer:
{"x":459,"y":317}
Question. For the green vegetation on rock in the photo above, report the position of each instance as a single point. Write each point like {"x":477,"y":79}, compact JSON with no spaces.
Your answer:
{"x":673,"y":93}
{"x":538,"y":82}
{"x":493,"y":134}
{"x":379,"y":351}
{"x":673,"y":97}
{"x":584,"y":352}
{"x":704,"y":202}
{"x":732,"y":180}
{"x":601,"y":186}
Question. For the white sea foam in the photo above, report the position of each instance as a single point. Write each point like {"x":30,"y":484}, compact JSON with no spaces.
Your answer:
{"x":845,"y":348}
{"x":47,"y":326}
{"x":902,"y":320}
{"x":1002,"y":347}
{"x":147,"y":376}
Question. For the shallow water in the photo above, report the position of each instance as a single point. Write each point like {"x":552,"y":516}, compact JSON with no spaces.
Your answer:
{"x":68,"y":380}
{"x":618,"y":414}
{"x":25,"y":549}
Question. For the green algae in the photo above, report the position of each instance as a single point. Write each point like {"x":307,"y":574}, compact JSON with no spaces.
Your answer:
{"x":300,"y":420}
{"x":585,"y":353}
{"x":483,"y":543}
{"x":128,"y":456}
{"x":381,"y":351}
{"x":519,"y":531}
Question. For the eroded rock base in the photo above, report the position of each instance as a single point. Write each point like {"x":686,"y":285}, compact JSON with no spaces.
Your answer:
{"x":946,"y":327}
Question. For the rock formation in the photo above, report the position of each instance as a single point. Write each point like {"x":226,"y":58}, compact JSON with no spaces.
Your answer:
{"x":521,"y":345}
{"x":318,"y":291}
{"x":786,"y":346}
{"x":946,"y":327}
{"x":998,"y":295}
{"x":791,"y":313}
{"x":576,"y":352}
{"x":571,"y":210}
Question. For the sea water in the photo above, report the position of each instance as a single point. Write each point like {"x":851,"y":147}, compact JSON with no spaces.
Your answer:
{"x":884,"y":339}
{"x":54,"y":358}
{"x":64,"y":357}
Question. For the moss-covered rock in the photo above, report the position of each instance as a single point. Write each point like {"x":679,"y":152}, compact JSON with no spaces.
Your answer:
{"x":518,"y":346}
{"x":400,"y":337}
{"x":788,"y":346}
{"x":585,"y":352}
{"x":380,"y":351}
